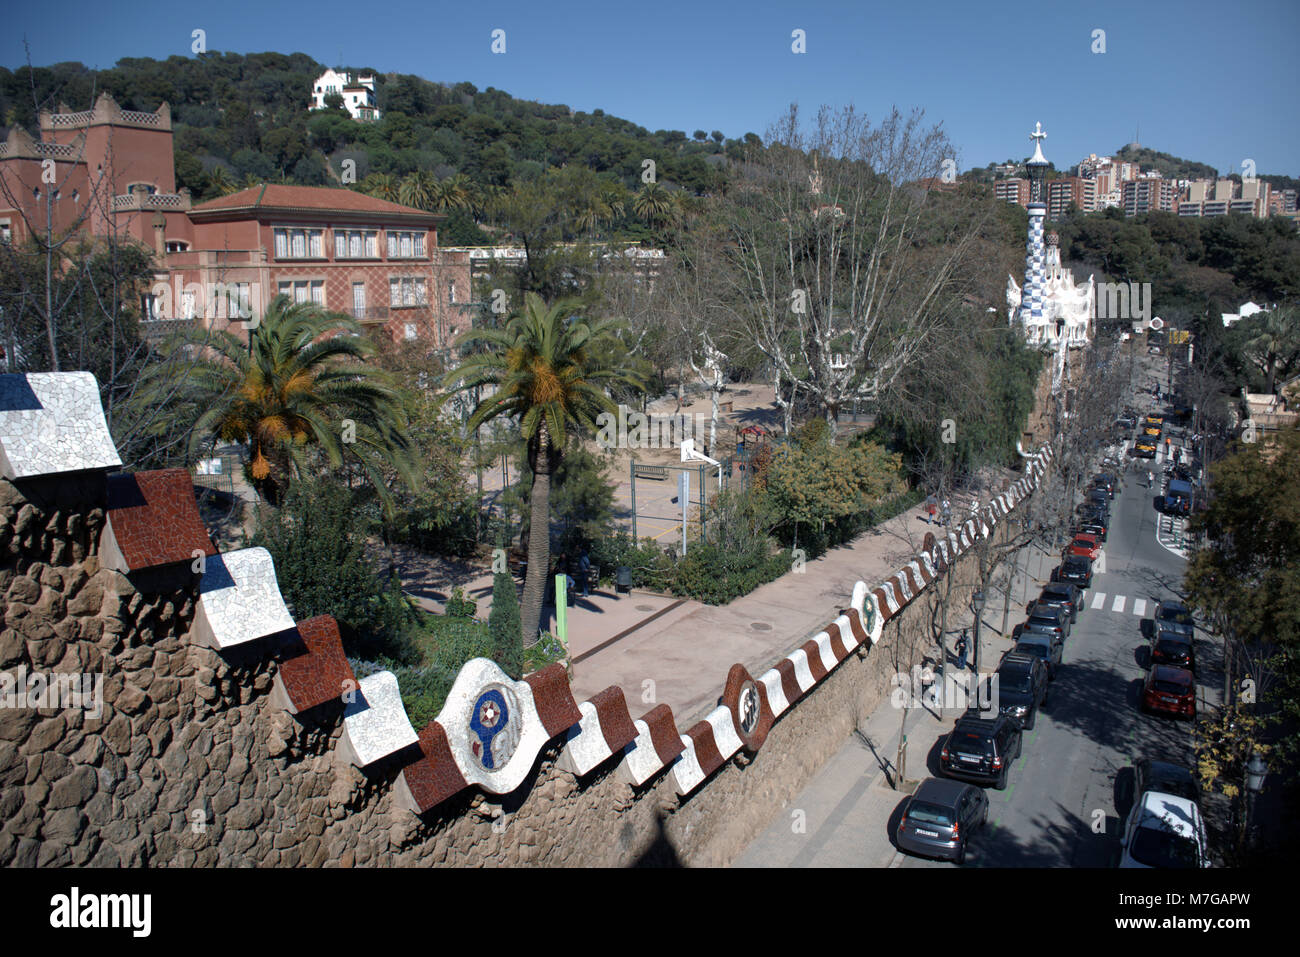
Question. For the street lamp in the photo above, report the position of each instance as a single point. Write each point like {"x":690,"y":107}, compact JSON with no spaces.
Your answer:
{"x":977,"y":602}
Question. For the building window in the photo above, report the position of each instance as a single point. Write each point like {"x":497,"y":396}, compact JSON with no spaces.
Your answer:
{"x":412,"y":331}
{"x":356,"y":244}
{"x":406,"y":292}
{"x":6,"y":232}
{"x":405,"y":245}
{"x":304,"y":290}
{"x":451,"y":292}
{"x":299,"y":244}
{"x":177,"y":246}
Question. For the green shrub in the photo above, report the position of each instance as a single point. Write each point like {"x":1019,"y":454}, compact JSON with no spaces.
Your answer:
{"x":458,"y":606}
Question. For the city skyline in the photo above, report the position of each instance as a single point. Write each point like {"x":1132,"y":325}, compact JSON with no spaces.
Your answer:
{"x":683,"y":68}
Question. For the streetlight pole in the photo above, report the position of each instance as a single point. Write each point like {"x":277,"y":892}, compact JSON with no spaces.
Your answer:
{"x":978,"y":602}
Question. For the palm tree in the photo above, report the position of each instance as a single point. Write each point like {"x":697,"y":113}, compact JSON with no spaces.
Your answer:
{"x":417,"y":189}
{"x":302,"y":381}
{"x":450,"y":193}
{"x":654,"y":203}
{"x":381,"y":186}
{"x":220,"y":181}
{"x":1276,"y":345}
{"x":545,"y":371}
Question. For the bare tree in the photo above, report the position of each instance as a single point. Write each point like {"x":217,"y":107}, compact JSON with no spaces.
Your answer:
{"x":836,"y":262}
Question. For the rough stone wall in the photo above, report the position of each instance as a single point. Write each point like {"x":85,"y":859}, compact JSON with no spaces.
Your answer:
{"x":192,"y":764}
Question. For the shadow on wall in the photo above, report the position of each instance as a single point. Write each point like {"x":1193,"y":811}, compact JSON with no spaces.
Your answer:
{"x":661,"y":852}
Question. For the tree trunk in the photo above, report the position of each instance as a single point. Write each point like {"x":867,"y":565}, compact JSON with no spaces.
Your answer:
{"x":539,"y":541}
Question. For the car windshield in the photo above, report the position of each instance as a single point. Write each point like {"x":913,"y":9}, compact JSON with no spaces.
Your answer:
{"x":1172,"y":781}
{"x":1075,"y":564}
{"x":1031,"y":649}
{"x":1161,"y":848}
{"x":923,"y":812}
{"x":1172,"y":646}
{"x":1174,"y":613}
{"x":1168,"y":687}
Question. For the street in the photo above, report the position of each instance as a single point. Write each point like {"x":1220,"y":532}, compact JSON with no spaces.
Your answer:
{"x":1060,"y":809}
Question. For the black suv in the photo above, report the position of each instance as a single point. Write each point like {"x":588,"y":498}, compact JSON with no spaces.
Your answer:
{"x":1092,"y":526}
{"x":1173,"y":648}
{"x":1063,"y":595}
{"x":1074,"y":569}
{"x":1105,"y":481}
{"x":981,"y":749}
{"x":1022,"y":687}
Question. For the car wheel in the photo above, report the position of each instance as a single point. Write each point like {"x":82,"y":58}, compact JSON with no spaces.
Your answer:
{"x":984,"y":818}
{"x":961,"y":853}
{"x":1029,"y":725}
{"x":1020,"y":746}
{"x":1001,"y":783}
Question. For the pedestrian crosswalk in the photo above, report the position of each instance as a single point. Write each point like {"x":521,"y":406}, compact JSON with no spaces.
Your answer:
{"x":1118,"y":603}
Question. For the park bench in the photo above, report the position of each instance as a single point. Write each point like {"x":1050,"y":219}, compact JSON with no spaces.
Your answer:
{"x":658,"y":472}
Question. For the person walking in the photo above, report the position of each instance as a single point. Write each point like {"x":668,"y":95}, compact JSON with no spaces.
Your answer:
{"x":1151,"y":479}
{"x":961,"y":650}
{"x":931,"y":506}
{"x":584,"y":571}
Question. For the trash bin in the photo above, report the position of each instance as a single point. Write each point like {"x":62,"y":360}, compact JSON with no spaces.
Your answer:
{"x":623,"y":579}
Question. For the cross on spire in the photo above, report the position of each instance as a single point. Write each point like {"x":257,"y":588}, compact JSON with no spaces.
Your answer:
{"x":1038,"y":133}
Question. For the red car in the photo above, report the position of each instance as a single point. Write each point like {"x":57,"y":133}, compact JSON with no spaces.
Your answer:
{"x":1084,"y":544}
{"x":1170,"y":690}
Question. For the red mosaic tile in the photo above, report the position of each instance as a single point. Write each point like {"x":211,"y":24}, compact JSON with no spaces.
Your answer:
{"x":663,"y":733}
{"x":154,"y":518}
{"x":434,"y":777}
{"x":554,"y":699}
{"x":322,"y":673}
{"x":615,"y":720}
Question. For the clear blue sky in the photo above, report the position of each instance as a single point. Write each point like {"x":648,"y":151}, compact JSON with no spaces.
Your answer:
{"x":1206,"y":81}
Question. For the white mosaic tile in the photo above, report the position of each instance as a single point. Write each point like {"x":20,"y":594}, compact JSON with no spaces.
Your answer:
{"x":239,"y":599}
{"x":52,"y":422}
{"x":375,"y":724}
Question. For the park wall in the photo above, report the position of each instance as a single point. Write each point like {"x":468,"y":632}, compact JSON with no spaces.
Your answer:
{"x":160,"y":706}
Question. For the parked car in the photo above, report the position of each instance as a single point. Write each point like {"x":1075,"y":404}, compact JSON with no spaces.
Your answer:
{"x":1144,"y":450}
{"x":1166,"y":831}
{"x":940,"y":818}
{"x":1100,"y":498}
{"x":1173,"y":648}
{"x":1172,"y":616}
{"x":1042,"y":647}
{"x":981,"y":749}
{"x":1052,"y":617}
{"x":1092,"y":526}
{"x":1165,"y":777}
{"x":1106,"y":481}
{"x":1084,"y":544}
{"x":1063,"y":595}
{"x":1074,"y":569}
{"x":1170,"y":690}
{"x":1022,"y":687}
{"x":1177,"y":499}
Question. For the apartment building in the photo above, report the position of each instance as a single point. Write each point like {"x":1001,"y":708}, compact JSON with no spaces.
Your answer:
{"x":1070,"y":190}
{"x":1013,"y":190}
{"x":1148,"y":194}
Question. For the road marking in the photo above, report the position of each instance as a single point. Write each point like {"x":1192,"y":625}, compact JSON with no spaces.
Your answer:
{"x":1119,"y":603}
{"x":1139,"y":606}
{"x":1099,"y":599}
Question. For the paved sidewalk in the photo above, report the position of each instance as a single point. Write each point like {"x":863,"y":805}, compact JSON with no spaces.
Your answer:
{"x":682,"y":660}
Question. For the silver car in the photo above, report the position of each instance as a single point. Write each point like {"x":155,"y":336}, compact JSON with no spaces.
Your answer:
{"x":940,"y":817}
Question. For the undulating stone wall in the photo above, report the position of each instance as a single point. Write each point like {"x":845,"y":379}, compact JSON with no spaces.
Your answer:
{"x":219,"y":736}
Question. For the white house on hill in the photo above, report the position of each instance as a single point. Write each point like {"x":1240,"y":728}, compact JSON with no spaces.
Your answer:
{"x":358,"y":93}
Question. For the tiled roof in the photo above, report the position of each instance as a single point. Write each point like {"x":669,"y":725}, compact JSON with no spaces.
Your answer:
{"x":278,"y":196}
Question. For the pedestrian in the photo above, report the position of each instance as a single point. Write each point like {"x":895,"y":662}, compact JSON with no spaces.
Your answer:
{"x":946,"y":513}
{"x":584,"y":570}
{"x":961,"y":651}
{"x":931,"y":506}
{"x":1151,"y":480}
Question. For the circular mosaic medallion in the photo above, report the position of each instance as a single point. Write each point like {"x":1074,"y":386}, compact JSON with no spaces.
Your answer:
{"x":494,"y":727}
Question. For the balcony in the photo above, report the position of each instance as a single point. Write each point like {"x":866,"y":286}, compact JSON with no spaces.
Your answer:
{"x":369,"y":314}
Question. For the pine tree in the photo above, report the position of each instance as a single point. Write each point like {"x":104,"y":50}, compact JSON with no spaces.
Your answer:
{"x":503,"y":626}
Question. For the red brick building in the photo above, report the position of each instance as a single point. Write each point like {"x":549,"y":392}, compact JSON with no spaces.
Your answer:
{"x":109,"y":170}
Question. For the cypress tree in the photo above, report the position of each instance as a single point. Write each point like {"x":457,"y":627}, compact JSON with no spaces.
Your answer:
{"x":503,"y":626}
